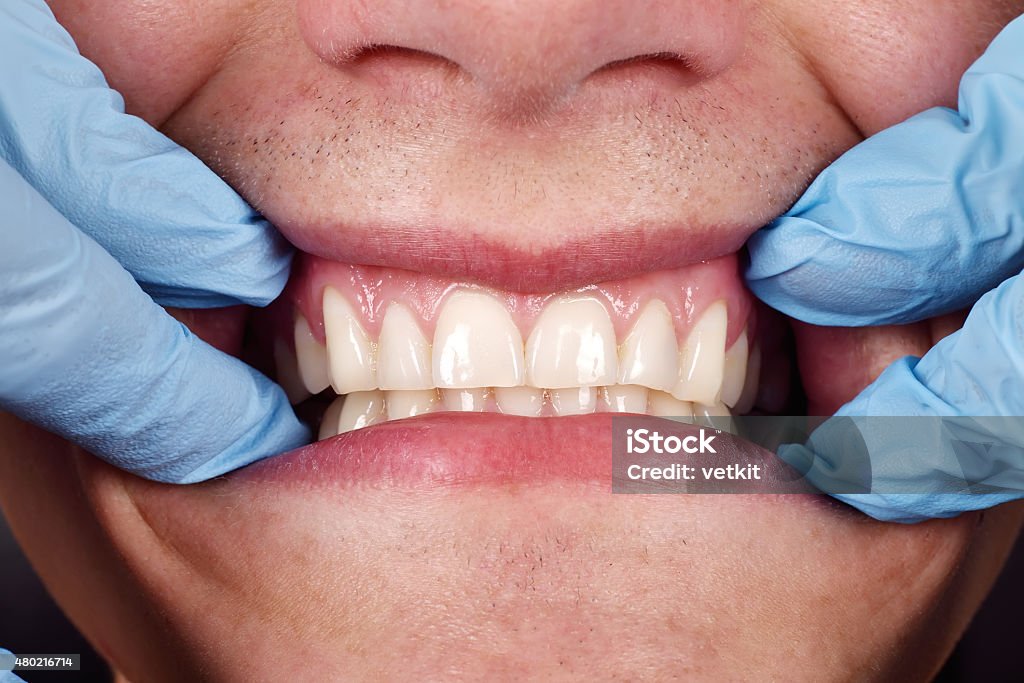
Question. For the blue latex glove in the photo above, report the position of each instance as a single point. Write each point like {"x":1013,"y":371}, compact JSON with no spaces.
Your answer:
{"x":919,"y":220}
{"x":102,"y":215}
{"x":6,"y":675}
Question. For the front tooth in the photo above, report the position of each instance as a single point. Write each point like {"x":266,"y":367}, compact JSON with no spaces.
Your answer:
{"x":623,"y":398}
{"x":403,"y":353}
{"x":649,"y":356}
{"x":348,"y":345}
{"x":661,"y":404}
{"x":702,"y":358}
{"x":311,"y":357}
{"x":476,"y":344}
{"x":523,"y":401}
{"x":574,"y":401}
{"x":361,"y":409}
{"x":465,"y":400}
{"x":408,"y":403}
{"x":572,"y":345}
{"x":734,"y":371}
{"x":288,"y":372}
{"x":329,"y":422}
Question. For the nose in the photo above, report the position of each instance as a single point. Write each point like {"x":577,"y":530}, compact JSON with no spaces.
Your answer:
{"x":536,"y":51}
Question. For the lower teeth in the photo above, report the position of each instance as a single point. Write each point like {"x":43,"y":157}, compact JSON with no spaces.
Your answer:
{"x":365,"y":408}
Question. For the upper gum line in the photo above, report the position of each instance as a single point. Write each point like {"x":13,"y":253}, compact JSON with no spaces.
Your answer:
{"x":687,"y":292}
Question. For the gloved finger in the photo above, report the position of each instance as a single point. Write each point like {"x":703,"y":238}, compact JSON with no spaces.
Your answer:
{"x":184,"y":234}
{"x":929,"y":430}
{"x":88,"y":355}
{"x":6,"y":666}
{"x":916,"y":221}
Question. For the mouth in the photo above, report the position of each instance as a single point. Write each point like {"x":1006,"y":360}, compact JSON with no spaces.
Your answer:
{"x":411,"y":375}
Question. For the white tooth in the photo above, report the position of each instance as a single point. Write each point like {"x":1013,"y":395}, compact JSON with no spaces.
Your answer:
{"x":716,"y":410}
{"x":348,"y":345}
{"x":403,"y":353}
{"x":288,"y":372}
{"x":311,"y":357}
{"x":329,"y":422}
{"x":574,"y":401}
{"x":476,"y":344}
{"x":716,"y":416}
{"x":751,"y":384}
{"x":702,"y":358}
{"x":408,"y":403}
{"x":624,"y":398}
{"x":734,"y":371}
{"x":661,"y":404}
{"x":361,"y":409}
{"x":524,"y":401}
{"x":649,"y":356}
{"x":572,"y":345}
{"x":465,"y":400}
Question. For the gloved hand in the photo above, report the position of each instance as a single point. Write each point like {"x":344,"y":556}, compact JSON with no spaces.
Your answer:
{"x":6,"y":664}
{"x":102,"y":217}
{"x":917,"y":221}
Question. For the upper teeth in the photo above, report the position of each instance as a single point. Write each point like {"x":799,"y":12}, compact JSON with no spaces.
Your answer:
{"x":476,"y":344}
{"x":572,"y":345}
{"x":571,"y":361}
{"x":353,"y":360}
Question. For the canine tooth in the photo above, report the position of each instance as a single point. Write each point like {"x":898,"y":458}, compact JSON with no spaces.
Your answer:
{"x":408,"y":403}
{"x":574,"y":401}
{"x":361,"y":409}
{"x":572,"y":345}
{"x":734,"y":371}
{"x":702,"y":358}
{"x":311,"y":357}
{"x":465,"y":400}
{"x":624,"y":398}
{"x":476,"y":344}
{"x":403,"y":353}
{"x":348,"y":345}
{"x":329,"y":422}
{"x":661,"y":404}
{"x":524,"y":401}
{"x":649,"y":356}
{"x":750,"y":384}
{"x":288,"y":372}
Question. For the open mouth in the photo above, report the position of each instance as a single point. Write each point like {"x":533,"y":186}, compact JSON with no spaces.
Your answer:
{"x":374,"y":357}
{"x":382,"y":344}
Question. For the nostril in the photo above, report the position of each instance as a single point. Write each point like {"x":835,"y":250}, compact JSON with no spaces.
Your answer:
{"x":379,"y":52}
{"x":405,"y":67}
{"x":680,"y":68}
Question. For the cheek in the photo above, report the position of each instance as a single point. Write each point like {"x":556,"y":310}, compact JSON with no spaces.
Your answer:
{"x":885,"y":60}
{"x":156,"y":54}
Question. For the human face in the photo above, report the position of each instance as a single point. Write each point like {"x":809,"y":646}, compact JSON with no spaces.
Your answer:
{"x":521,"y":149}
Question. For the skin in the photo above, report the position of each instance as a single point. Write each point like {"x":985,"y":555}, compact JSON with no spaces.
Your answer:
{"x":516,"y":132}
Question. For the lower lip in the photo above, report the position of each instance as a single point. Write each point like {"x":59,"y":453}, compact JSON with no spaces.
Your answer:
{"x":448,"y":450}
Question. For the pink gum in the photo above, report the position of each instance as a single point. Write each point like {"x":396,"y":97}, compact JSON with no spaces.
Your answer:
{"x":686,"y":291}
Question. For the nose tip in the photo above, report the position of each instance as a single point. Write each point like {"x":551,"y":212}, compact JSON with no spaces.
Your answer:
{"x":533,"y":51}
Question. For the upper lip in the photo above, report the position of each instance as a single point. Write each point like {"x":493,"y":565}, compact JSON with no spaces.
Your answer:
{"x":601,"y":256}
